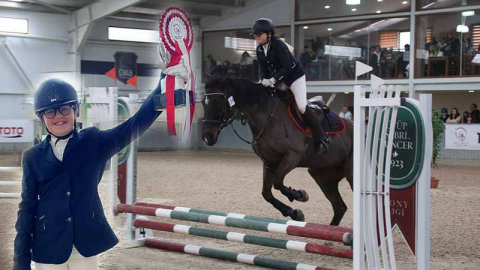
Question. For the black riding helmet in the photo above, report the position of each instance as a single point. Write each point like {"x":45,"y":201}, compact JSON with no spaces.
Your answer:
{"x":263,"y":25}
{"x":54,"y":93}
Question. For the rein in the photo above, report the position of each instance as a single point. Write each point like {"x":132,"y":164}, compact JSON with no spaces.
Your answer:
{"x":229,"y":121}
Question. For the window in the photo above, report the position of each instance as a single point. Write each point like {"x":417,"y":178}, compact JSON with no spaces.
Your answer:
{"x":390,"y":39}
{"x":435,"y":4}
{"x":131,"y":34}
{"x":446,"y":45}
{"x":12,"y":25}
{"x":476,"y":35}
{"x":320,"y":9}
{"x":330,"y":50}
{"x":234,"y":52}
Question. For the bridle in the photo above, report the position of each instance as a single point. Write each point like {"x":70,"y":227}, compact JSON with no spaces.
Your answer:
{"x":227,"y":121}
{"x":224,"y":121}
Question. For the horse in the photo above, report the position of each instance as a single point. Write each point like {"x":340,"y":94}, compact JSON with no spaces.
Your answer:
{"x":279,"y":143}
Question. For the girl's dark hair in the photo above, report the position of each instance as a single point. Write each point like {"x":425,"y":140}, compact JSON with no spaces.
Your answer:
{"x":452,"y":116}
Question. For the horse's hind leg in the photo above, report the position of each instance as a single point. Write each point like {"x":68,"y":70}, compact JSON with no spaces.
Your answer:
{"x":328,"y":181}
{"x":287,"y":211}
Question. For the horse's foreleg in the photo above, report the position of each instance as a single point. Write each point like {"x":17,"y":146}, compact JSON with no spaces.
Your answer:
{"x":288,"y":163}
{"x":287,"y":211}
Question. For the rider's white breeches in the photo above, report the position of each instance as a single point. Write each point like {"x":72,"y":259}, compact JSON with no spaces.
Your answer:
{"x":299,"y":89}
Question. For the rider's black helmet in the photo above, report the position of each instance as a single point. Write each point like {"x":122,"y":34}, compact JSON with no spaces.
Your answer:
{"x":263,"y":25}
{"x":53,"y":93}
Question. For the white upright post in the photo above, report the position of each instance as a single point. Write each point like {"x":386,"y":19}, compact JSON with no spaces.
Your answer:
{"x":423,"y":192}
{"x":358,"y":150}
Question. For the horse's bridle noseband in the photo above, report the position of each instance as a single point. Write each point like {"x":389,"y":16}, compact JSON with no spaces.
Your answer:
{"x":224,"y":121}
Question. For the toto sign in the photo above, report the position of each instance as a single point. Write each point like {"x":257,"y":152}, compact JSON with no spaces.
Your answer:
{"x":16,"y":131}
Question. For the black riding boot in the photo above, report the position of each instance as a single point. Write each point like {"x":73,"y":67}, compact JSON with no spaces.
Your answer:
{"x":321,"y":140}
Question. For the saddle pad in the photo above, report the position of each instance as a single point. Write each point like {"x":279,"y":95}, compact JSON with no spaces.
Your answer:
{"x":331,"y":123}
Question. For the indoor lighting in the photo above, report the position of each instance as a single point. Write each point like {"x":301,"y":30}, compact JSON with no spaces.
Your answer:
{"x":329,"y":29}
{"x":347,"y":93}
{"x":379,"y":11}
{"x":471,"y":91}
{"x":16,"y":0}
{"x":405,"y":2}
{"x":354,"y":9}
{"x":327,"y":7}
{"x":468,"y":13}
{"x":353,"y":2}
{"x":305,"y":27}
{"x":379,"y":0}
{"x":462,"y":28}
{"x":406,"y":92}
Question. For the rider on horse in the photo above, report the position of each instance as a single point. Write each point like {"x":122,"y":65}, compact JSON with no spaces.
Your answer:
{"x":276,"y":59}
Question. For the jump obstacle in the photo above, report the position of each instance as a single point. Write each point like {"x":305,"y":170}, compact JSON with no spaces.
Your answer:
{"x":370,"y":202}
{"x":10,"y":183}
{"x":242,"y":216}
{"x":245,"y":238}
{"x":341,"y":237}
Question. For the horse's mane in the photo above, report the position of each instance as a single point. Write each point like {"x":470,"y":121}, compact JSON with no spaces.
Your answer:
{"x":242,"y":88}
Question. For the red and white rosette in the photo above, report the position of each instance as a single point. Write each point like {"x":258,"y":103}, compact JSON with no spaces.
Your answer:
{"x":176,"y":33}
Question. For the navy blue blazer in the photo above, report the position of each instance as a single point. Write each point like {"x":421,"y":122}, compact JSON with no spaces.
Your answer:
{"x":279,"y":62}
{"x":60,"y":204}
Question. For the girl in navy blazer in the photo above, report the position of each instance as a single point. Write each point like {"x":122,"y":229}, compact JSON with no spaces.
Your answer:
{"x":61,"y":222}
{"x":277,"y":64}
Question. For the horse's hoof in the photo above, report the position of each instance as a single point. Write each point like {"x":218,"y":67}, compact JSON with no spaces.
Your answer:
{"x":304,"y":196}
{"x":298,"y":215}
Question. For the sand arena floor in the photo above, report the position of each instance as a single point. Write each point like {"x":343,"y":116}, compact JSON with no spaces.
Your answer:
{"x":231,"y":182}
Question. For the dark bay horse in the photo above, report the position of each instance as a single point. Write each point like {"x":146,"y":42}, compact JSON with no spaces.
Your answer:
{"x":278,"y":142}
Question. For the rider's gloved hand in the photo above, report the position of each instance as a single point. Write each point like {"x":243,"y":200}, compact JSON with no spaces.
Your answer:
{"x":268,"y":82}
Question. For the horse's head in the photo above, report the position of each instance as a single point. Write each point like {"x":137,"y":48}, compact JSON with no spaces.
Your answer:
{"x":217,"y":108}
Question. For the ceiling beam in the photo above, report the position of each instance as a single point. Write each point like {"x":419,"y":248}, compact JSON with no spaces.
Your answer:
{"x":66,"y":11}
{"x":160,"y":9}
{"x":84,"y":18}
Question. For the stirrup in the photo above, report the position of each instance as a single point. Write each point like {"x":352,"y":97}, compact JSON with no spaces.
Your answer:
{"x":322,"y":146}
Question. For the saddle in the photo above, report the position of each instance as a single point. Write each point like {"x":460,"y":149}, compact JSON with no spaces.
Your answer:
{"x":331,"y":123}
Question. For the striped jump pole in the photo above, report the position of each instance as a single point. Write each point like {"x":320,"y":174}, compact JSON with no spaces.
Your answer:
{"x":229,"y":256}
{"x":9,"y":195}
{"x":245,"y":238}
{"x":10,"y":183}
{"x":242,"y":216}
{"x":345,"y":238}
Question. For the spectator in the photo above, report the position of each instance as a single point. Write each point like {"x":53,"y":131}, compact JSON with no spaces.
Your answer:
{"x":345,"y":113}
{"x":375,"y":60}
{"x":455,"y":117}
{"x":444,"y":115}
{"x":37,"y":140}
{"x":475,"y":113}
{"x":306,"y":57}
{"x":466,"y":115}
{"x":246,"y":59}
{"x":210,"y":64}
{"x":469,"y":119}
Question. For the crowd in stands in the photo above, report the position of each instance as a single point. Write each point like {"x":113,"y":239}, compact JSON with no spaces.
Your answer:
{"x":455,"y":117}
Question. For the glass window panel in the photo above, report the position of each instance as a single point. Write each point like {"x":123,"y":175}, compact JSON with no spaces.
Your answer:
{"x":315,"y":9}
{"x":233,"y":51}
{"x":447,"y":45}
{"x":435,"y":4}
{"x":329,"y":51}
{"x":13,"y":25}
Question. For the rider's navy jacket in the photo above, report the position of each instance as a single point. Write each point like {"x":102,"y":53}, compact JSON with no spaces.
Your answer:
{"x":279,"y":62}
{"x":60,"y":204}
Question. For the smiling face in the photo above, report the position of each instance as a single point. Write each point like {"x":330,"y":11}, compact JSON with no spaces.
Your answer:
{"x":61,"y":124}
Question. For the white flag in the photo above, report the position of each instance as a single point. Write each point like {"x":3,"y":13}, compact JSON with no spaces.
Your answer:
{"x":376,"y":82}
{"x":361,"y":68}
